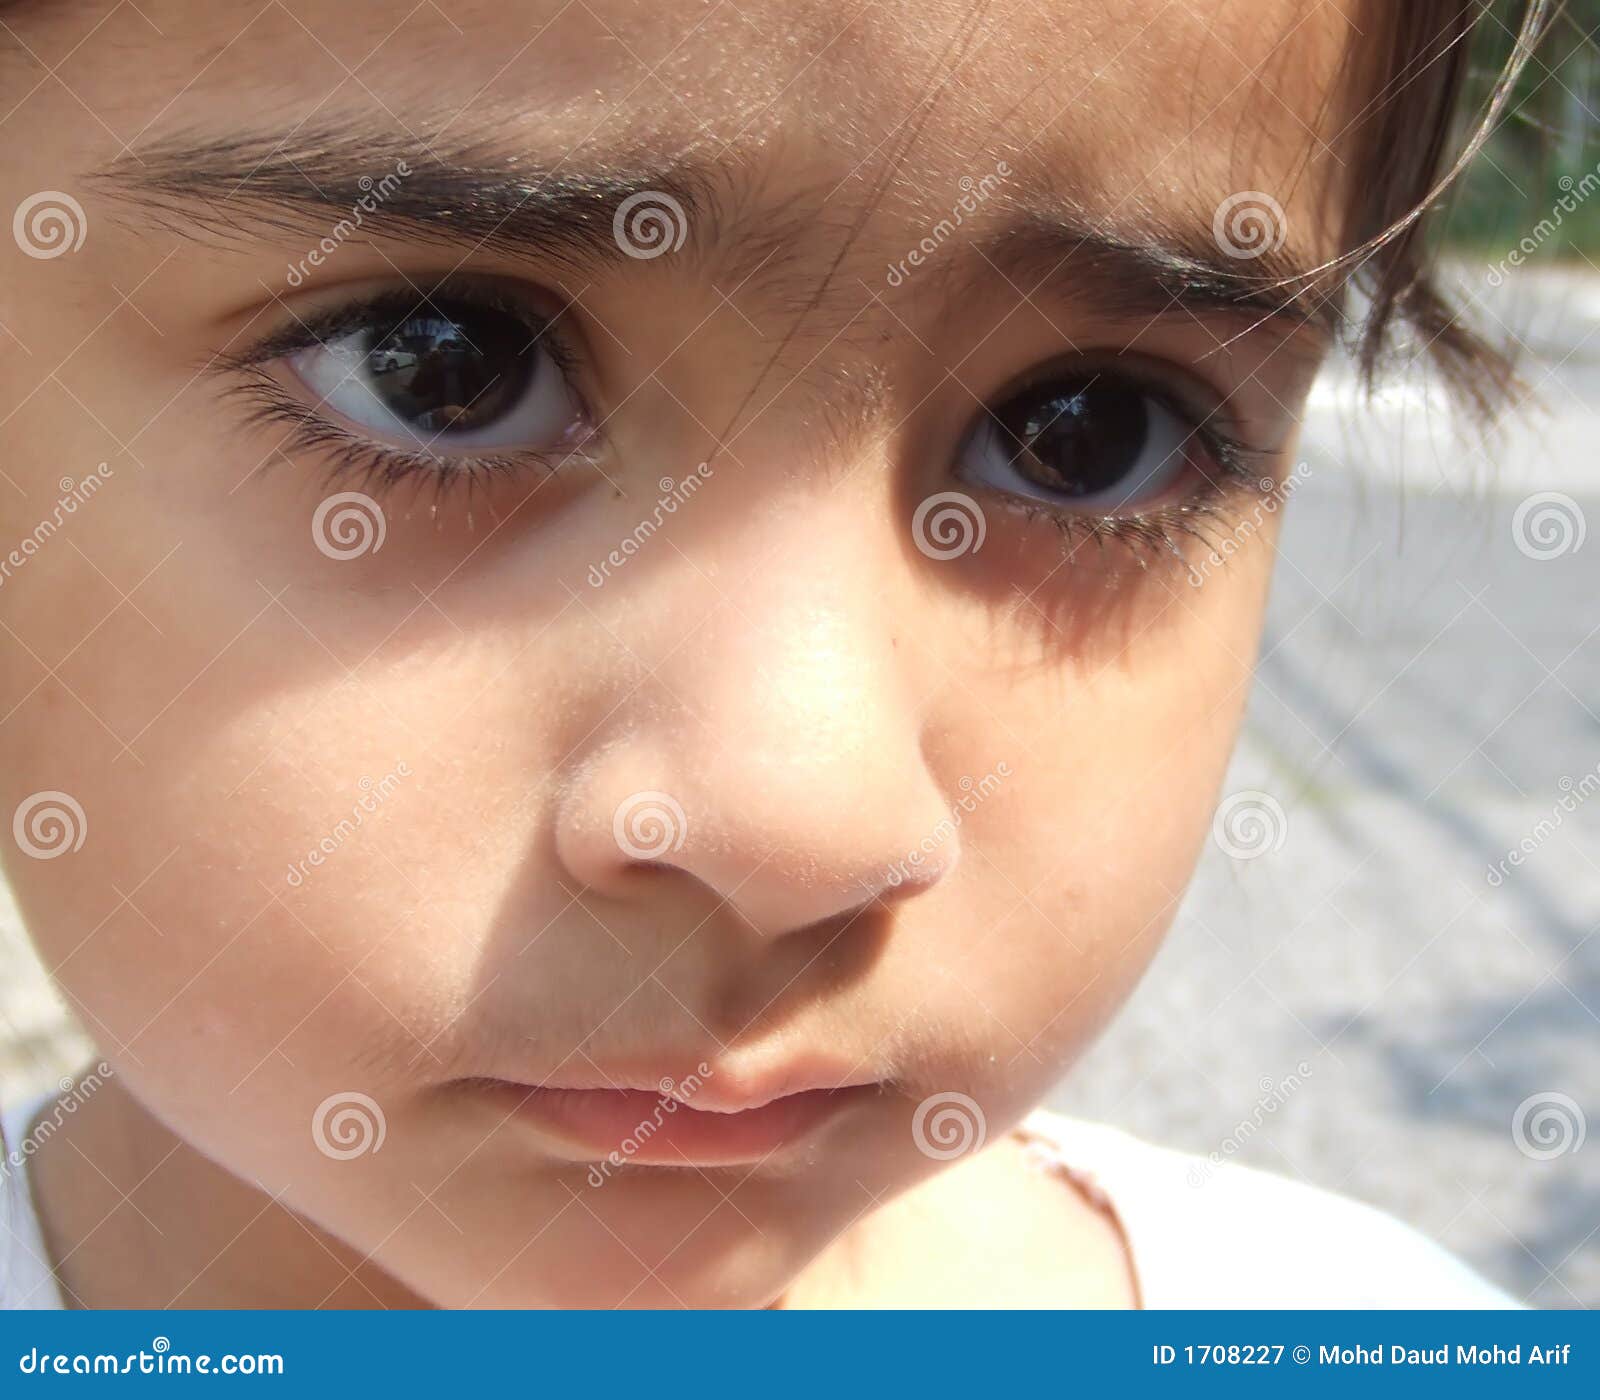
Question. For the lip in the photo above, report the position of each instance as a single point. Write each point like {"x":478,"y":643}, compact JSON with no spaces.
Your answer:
{"x":733,"y":1120}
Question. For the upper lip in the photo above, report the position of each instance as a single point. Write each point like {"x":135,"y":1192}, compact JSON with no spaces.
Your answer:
{"x":725,"y":1085}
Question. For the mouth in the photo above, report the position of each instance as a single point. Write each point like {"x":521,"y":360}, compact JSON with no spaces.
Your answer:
{"x":726,"y":1124}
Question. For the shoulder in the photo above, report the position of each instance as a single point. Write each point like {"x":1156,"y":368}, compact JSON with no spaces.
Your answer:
{"x":1204,"y":1234}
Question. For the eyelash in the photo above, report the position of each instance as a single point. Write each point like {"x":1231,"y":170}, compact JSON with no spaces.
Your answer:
{"x":350,"y":455}
{"x":1154,"y":535}
{"x":1150,"y":535}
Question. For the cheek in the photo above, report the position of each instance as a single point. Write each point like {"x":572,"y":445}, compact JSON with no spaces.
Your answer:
{"x":278,"y":843}
{"x":1074,"y":866}
{"x":285,"y":899}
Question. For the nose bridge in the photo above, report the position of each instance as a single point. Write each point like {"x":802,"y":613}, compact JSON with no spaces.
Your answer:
{"x":797,"y":664}
{"x":800,"y":702}
{"x":778,"y":756}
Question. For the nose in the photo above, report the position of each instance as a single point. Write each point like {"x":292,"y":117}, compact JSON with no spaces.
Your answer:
{"x":776,"y":757}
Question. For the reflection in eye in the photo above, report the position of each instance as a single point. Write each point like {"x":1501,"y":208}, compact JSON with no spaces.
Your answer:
{"x":1092,"y":441}
{"x":443,"y":374}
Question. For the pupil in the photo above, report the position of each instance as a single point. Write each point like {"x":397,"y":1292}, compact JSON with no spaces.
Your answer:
{"x":444,"y":372}
{"x":1077,"y":439}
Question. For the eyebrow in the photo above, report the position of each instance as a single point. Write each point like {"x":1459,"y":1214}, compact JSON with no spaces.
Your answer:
{"x":475,"y":196}
{"x":1177,"y":267}
{"x":471,"y":197}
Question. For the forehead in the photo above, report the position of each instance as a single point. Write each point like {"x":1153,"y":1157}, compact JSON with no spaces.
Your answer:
{"x":1117,"y":107}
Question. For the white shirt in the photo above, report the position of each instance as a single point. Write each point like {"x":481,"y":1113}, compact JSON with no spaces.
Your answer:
{"x":1200,"y":1235}
{"x":1207,"y":1235}
{"x":26,"y":1280}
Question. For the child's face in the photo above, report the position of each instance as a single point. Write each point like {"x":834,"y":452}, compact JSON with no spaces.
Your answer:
{"x":597,"y":775}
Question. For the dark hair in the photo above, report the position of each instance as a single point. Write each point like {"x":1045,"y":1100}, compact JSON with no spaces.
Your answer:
{"x":1412,"y":139}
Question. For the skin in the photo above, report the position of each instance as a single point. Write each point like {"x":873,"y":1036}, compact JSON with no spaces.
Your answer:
{"x":810,"y":688}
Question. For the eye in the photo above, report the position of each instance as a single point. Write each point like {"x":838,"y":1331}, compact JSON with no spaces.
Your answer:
{"x":434,"y":374}
{"x":1094,"y":441}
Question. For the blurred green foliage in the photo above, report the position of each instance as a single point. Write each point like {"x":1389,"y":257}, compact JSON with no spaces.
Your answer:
{"x":1550,"y":134}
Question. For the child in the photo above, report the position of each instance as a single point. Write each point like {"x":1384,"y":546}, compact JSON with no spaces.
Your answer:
{"x":610,"y":687}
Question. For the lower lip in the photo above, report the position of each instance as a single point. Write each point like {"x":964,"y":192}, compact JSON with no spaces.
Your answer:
{"x":653,"y":1130}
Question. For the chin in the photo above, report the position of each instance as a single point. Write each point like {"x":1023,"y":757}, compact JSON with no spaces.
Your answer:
{"x":754,"y":1273}
{"x":647,"y":1245}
